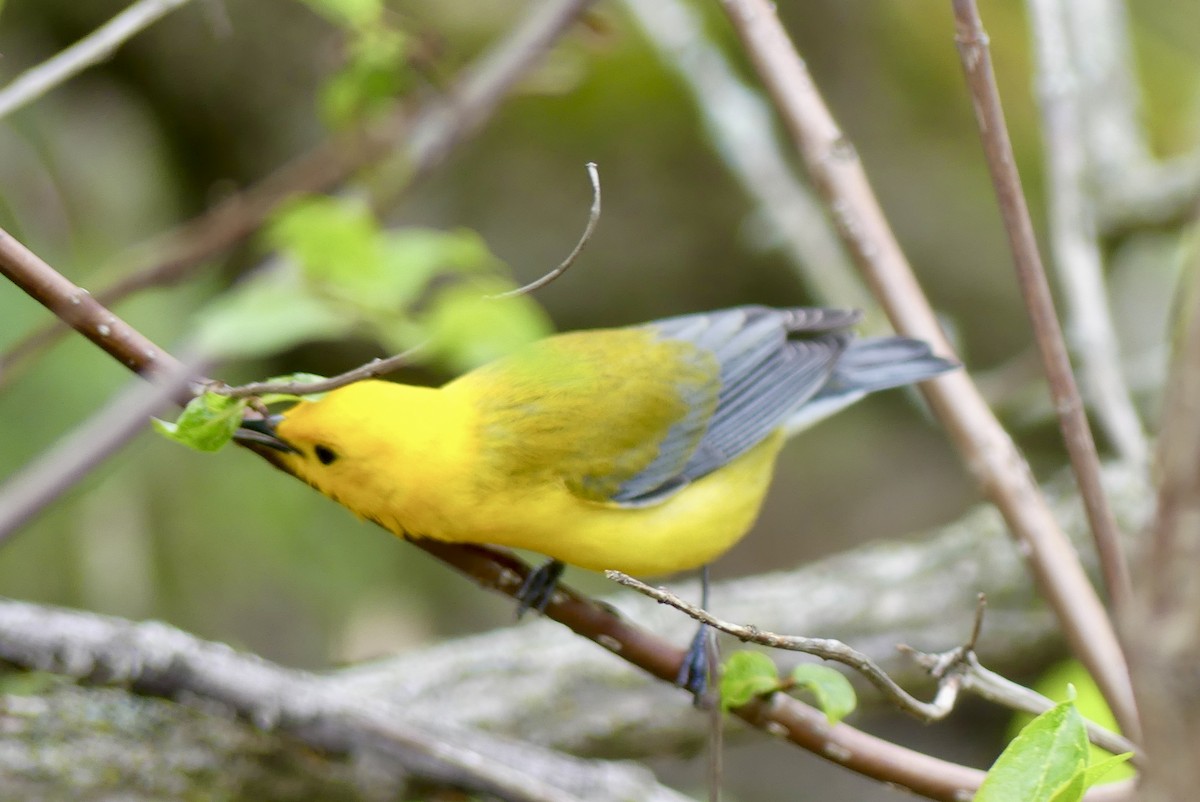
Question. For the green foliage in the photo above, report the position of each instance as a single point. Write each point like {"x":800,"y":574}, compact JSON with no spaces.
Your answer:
{"x":375,"y":71}
{"x":833,"y":692}
{"x":343,"y":275}
{"x":1047,"y":762}
{"x":750,"y":674}
{"x":207,"y":423}
{"x":746,"y":675}
{"x":1057,"y":683}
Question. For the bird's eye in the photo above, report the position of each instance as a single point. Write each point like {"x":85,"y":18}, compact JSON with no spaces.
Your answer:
{"x":325,"y":454}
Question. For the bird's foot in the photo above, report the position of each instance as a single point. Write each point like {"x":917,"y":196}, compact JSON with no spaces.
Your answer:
{"x":538,"y":588}
{"x":693,"y":672}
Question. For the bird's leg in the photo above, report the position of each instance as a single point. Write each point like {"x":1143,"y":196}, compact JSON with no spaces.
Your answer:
{"x":696,"y":667}
{"x":538,"y":588}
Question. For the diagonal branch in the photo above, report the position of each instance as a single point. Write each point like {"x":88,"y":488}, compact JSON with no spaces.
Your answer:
{"x":986,"y":449}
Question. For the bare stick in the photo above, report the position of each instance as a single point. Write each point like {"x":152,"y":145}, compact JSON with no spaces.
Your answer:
{"x":88,"y":51}
{"x":1073,"y":231}
{"x":372,"y":369}
{"x":79,"y":310}
{"x":986,"y":449}
{"x":593,"y":219}
{"x":1035,"y":289}
{"x":825,"y":648}
{"x":38,"y":484}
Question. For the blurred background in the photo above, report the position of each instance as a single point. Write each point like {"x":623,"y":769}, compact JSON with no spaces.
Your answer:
{"x":217,"y":95}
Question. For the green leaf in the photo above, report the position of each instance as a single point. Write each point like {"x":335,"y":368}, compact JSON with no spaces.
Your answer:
{"x":348,"y":13}
{"x":207,"y":423}
{"x":747,"y":675}
{"x":265,"y":315}
{"x":331,"y":239}
{"x":835,"y":696}
{"x":1046,"y":762}
{"x":1098,"y":769}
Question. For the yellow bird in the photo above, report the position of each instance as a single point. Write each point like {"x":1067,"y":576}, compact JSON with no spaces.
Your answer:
{"x":645,"y":449}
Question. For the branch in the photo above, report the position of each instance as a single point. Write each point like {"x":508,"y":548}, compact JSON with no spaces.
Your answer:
{"x":158,"y":660}
{"x":88,"y":51}
{"x":1163,"y":624}
{"x":986,"y":449}
{"x":1073,"y":230}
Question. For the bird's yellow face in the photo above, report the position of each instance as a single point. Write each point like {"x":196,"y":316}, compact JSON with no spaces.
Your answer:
{"x":373,"y":447}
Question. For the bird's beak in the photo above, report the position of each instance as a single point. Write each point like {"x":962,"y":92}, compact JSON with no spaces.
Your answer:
{"x":261,"y":431}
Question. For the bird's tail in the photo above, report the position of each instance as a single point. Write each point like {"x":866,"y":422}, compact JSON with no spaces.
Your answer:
{"x":868,"y":365}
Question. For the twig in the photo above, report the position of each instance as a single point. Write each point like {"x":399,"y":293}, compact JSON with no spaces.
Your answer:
{"x":92,"y":49}
{"x":55,"y":471}
{"x":376,"y":367}
{"x":418,"y":141}
{"x":825,"y":648}
{"x":593,"y":219}
{"x":986,"y":449}
{"x":1035,"y":289}
{"x":79,"y":310}
{"x":1073,"y":230}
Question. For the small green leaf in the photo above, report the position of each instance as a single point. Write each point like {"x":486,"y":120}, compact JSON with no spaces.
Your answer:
{"x":207,"y":423}
{"x":747,"y":675}
{"x":1098,"y":769}
{"x":375,"y":74}
{"x":835,"y":696}
{"x":1046,"y":762}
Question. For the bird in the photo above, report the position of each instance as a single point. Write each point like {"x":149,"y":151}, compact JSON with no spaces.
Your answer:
{"x":645,"y":449}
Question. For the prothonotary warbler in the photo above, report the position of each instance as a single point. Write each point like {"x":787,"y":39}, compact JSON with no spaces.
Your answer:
{"x":645,"y":449}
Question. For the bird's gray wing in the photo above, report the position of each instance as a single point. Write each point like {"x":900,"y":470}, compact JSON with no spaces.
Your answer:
{"x":771,"y":361}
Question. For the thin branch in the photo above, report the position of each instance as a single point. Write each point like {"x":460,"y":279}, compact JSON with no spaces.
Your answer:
{"x":79,"y":310}
{"x":88,"y":51}
{"x":1035,"y":289}
{"x":39,"y":483}
{"x":986,"y":449}
{"x":1073,"y":231}
{"x":593,"y":219}
{"x":414,"y":144}
{"x":371,"y":370}
{"x":825,"y":648}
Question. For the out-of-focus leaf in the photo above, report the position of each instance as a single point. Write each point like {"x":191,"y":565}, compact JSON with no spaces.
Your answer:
{"x":264,"y":316}
{"x":374,"y":75}
{"x":1046,"y":762}
{"x":207,"y":423}
{"x":291,"y":378}
{"x":746,"y":675}
{"x":348,"y":13}
{"x":331,"y":239}
{"x":467,"y":328}
{"x":834,"y":694}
